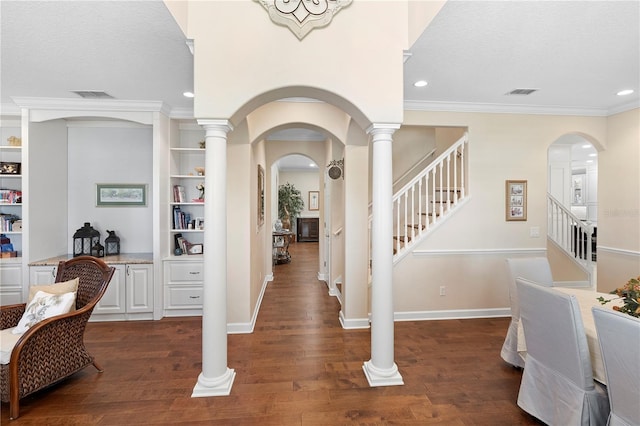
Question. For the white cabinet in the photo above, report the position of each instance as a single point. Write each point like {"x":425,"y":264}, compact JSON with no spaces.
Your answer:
{"x":183,"y":287}
{"x":129,"y":295}
{"x":39,"y":275}
{"x":10,"y":283}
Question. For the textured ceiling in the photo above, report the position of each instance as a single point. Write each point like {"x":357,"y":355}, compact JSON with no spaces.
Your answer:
{"x":577,"y":53}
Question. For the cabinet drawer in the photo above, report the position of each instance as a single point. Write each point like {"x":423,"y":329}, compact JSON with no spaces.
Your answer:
{"x":183,"y":271}
{"x":180,"y":297}
{"x":11,"y":275}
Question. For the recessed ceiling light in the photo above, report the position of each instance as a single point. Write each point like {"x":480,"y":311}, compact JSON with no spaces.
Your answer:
{"x":593,"y":155}
{"x":586,"y":145}
{"x":589,"y":161}
{"x":420,"y":83}
{"x":312,"y":165}
{"x":625,"y":92}
{"x":188,"y":94}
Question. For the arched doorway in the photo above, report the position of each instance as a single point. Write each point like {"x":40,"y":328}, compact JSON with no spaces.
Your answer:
{"x":572,"y":209}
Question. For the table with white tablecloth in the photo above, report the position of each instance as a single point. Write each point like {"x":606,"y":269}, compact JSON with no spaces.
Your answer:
{"x":586,"y":300}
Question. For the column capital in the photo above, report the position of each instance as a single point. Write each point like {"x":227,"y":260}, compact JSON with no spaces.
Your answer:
{"x":382,"y":128}
{"x":214,"y":125}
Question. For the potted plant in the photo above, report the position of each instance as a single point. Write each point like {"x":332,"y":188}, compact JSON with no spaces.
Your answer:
{"x":290,"y":204}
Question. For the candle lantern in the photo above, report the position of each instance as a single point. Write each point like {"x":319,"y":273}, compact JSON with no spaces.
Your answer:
{"x":112,"y":243}
{"x":97,"y":250}
{"x":84,"y":239}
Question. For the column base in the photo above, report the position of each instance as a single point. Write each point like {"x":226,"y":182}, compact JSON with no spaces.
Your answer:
{"x":378,"y":377}
{"x":218,"y":386}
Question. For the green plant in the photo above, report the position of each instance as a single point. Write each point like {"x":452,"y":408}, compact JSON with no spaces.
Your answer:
{"x":290,"y":202}
{"x":630,"y":295}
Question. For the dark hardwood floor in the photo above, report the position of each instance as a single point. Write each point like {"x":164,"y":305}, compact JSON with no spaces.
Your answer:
{"x":299,"y":367}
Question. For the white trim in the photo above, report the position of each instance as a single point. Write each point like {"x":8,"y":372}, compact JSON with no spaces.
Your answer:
{"x":90,"y":104}
{"x":244,"y":327}
{"x":452,"y":314}
{"x":618,"y":251}
{"x":353,"y":324}
{"x":411,"y":105}
{"x":181,"y":113}
{"x":460,"y":252}
{"x":73,"y":123}
{"x":322,"y":277}
{"x":623,"y":108}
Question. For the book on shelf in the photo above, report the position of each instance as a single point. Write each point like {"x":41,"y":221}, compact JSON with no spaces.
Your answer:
{"x":10,"y":196}
{"x":182,"y":220}
{"x":179,"y":194}
{"x":10,"y":223}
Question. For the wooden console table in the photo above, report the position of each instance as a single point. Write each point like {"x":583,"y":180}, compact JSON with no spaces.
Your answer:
{"x":281,"y":241}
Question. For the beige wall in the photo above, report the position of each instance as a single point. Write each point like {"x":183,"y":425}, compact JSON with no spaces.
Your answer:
{"x":466,"y":254}
{"x":619,"y":202}
{"x":368,"y":36}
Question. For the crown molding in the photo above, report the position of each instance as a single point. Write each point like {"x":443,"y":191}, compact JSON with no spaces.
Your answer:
{"x":181,"y":113}
{"x":502,"y":108}
{"x":624,"y":107}
{"x":91,"y":104}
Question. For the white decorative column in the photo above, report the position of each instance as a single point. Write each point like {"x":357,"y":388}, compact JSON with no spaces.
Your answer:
{"x":381,"y":369}
{"x":216,"y":378}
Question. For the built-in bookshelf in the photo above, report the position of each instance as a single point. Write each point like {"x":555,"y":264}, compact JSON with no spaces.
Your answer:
{"x":186,"y":175}
{"x":11,"y":197}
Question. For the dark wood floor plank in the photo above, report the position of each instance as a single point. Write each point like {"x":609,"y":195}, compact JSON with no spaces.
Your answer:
{"x":298,"y":367}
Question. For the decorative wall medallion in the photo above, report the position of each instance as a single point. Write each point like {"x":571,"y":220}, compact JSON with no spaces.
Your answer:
{"x":302,"y":16}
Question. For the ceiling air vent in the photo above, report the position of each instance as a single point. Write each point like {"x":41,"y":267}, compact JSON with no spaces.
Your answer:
{"x":522,"y":92}
{"x":92,"y":94}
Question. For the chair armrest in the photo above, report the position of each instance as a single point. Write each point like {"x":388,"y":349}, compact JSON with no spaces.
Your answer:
{"x":55,"y":345}
{"x":10,"y":315}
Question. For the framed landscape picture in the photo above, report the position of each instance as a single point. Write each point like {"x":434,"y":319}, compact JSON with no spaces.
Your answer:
{"x":121,"y":194}
{"x":516,"y":200}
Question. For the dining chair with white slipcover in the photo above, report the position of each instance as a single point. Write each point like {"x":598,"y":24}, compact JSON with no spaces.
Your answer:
{"x":557,"y":382}
{"x":619,"y":339}
{"x":536,"y":269}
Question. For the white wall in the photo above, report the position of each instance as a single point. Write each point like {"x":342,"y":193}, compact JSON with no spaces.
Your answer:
{"x":110,"y":153}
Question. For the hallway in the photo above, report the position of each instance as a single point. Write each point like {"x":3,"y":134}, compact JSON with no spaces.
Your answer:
{"x":299,"y":367}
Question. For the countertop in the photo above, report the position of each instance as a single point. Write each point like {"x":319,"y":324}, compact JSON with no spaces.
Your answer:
{"x":120,"y":259}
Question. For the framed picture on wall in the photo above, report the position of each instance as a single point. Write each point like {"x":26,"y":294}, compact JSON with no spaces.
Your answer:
{"x":260,"y":195}
{"x":314,"y":202}
{"x":516,"y":200}
{"x":121,"y":194}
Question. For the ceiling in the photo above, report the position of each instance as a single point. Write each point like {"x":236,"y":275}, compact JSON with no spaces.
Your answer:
{"x":578,"y":54}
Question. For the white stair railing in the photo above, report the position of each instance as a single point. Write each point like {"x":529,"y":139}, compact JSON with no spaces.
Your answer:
{"x":429,"y":197}
{"x":570,"y":233}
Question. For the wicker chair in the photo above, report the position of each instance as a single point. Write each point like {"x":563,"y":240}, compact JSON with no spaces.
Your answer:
{"x":54,"y":348}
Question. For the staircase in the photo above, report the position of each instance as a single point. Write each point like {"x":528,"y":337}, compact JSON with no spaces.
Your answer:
{"x":429,"y":198}
{"x":570,"y":234}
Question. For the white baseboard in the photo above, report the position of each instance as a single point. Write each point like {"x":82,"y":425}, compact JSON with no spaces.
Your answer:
{"x":350,"y":324}
{"x":244,"y":327}
{"x":452,"y":314}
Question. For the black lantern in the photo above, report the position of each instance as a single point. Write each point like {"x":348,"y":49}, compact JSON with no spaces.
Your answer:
{"x":84,"y":239}
{"x":97,"y":250}
{"x":112,"y":243}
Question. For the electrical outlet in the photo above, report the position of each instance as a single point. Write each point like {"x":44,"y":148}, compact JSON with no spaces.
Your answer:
{"x":443,"y":291}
